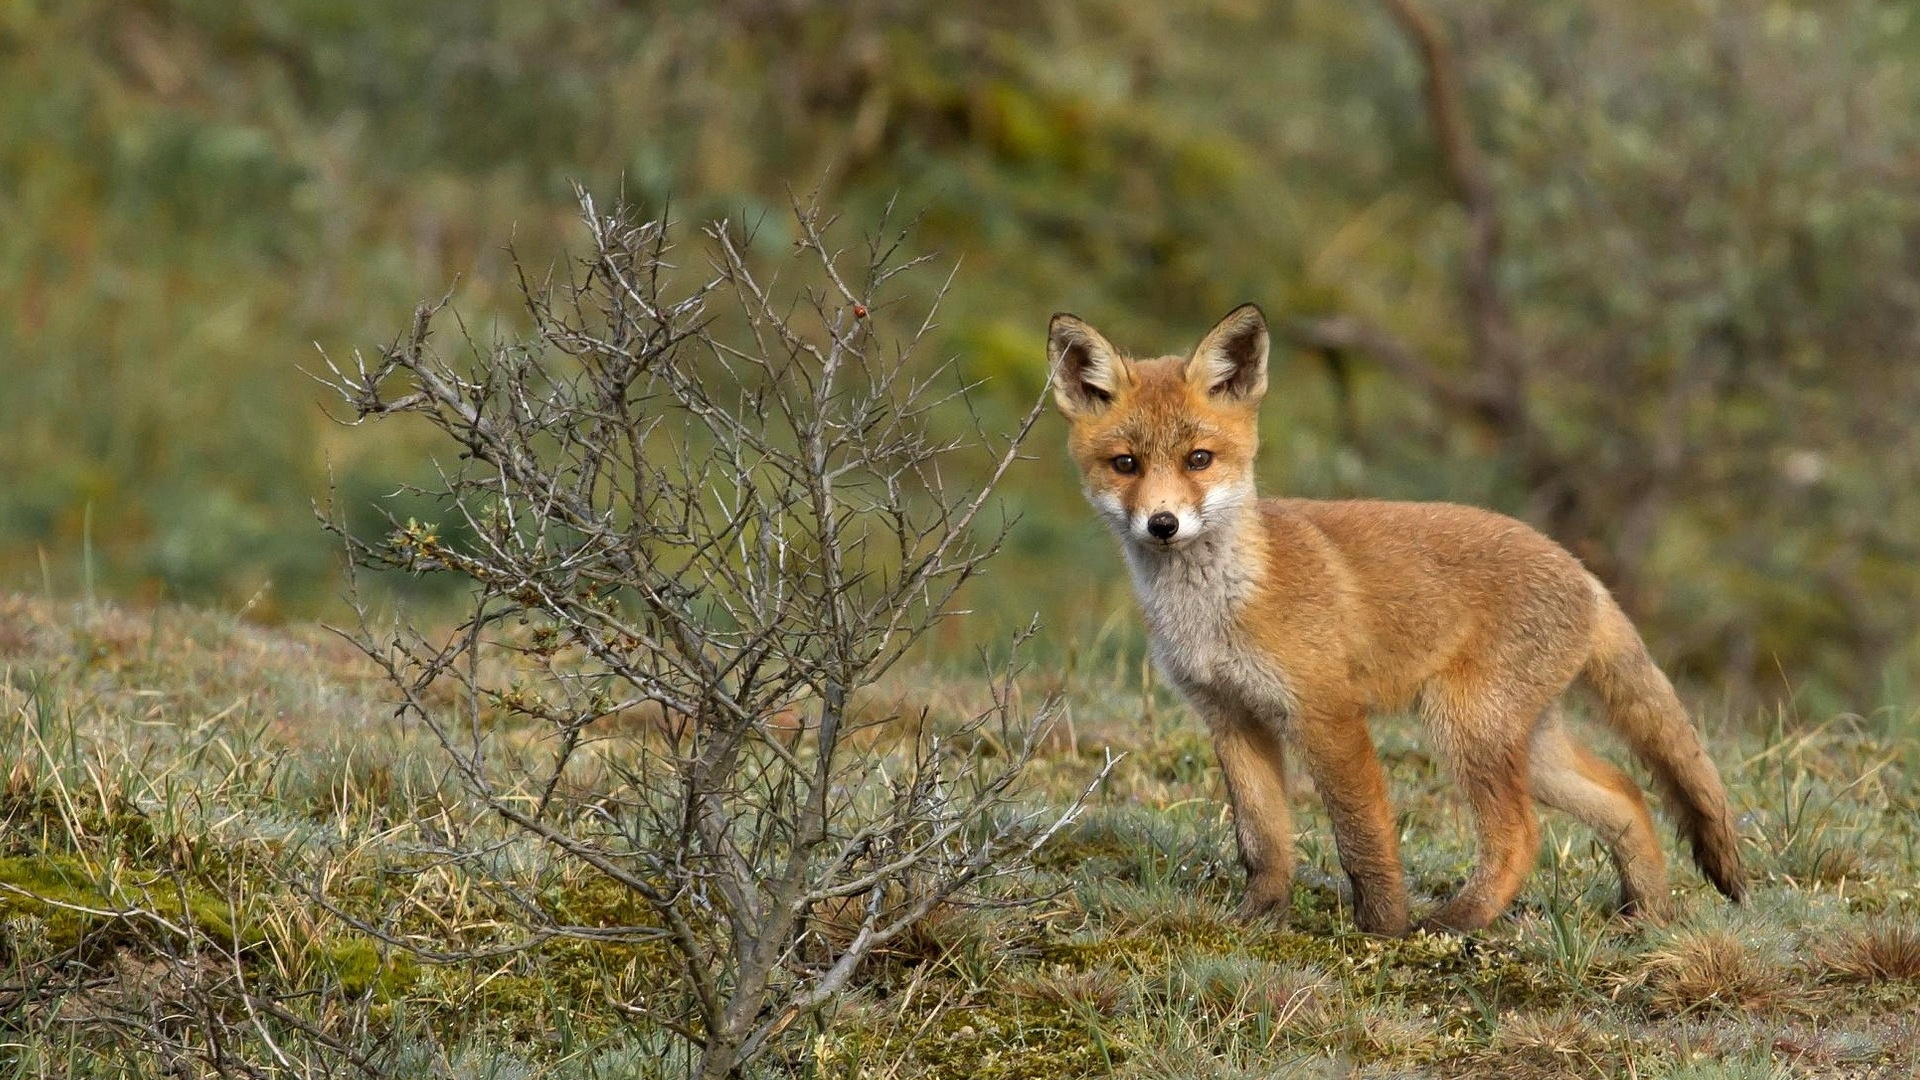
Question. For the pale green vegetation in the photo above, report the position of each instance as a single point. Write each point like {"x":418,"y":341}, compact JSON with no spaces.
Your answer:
{"x":1708,"y":215}
{"x":1686,"y":357}
{"x":177,"y":776}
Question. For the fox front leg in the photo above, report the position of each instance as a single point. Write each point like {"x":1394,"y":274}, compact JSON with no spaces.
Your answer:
{"x":1254,"y":761}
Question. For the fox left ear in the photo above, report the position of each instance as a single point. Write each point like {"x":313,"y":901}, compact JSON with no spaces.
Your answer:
{"x":1231,"y":361}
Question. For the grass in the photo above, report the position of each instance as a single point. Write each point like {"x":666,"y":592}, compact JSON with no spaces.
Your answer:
{"x":177,"y":776}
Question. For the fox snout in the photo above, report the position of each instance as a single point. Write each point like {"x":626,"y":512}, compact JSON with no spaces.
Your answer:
{"x":1149,"y":524}
{"x":1163,"y":526}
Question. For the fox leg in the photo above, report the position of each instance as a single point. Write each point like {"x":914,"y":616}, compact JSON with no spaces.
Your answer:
{"x":1569,"y":777}
{"x":1338,"y":754}
{"x":1255,"y":763}
{"x":1487,"y":738}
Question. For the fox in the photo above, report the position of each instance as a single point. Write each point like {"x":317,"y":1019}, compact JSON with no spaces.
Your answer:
{"x":1288,"y":622}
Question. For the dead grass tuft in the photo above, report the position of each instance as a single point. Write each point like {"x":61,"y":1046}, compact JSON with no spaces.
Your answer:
{"x":1223,"y":986}
{"x":1302,"y":997}
{"x":1101,"y":991}
{"x":1712,"y":971}
{"x":1559,"y":1034}
{"x":1882,"y":953}
{"x":1125,"y":909}
{"x":1392,"y":1032}
{"x":1564,"y":1043}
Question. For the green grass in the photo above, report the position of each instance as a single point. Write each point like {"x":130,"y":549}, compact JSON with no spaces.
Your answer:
{"x":177,"y":776}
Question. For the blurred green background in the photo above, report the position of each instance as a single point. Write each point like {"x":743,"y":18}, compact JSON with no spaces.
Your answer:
{"x":1711,"y":260}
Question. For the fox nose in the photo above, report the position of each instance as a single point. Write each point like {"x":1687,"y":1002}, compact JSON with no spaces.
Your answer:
{"x":1163,"y":525}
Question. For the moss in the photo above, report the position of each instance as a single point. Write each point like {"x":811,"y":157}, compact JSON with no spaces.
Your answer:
{"x":80,"y":912}
{"x":1441,"y":971}
{"x":593,"y":970}
{"x":524,"y":1006}
{"x":563,"y":983}
{"x":1002,"y":1037}
{"x":363,"y":968}
{"x":48,"y":888}
{"x":516,"y":1006}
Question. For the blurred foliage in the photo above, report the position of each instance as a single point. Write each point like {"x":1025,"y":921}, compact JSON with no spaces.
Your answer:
{"x":1711,"y":237}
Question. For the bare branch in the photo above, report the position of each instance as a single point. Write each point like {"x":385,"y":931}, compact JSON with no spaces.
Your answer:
{"x":725,"y":500}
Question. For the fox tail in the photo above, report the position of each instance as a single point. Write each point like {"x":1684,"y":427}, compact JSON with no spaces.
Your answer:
{"x":1642,"y":707}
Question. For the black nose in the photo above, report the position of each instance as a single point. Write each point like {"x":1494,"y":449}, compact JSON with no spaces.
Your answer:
{"x":1163,"y":525}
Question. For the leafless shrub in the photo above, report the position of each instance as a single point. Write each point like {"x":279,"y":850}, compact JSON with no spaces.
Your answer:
{"x":709,"y":496}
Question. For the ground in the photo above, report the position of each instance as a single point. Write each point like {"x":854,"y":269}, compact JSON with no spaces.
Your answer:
{"x":178,"y":775}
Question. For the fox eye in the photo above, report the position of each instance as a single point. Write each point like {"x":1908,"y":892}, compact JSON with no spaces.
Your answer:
{"x":1125,"y":464}
{"x":1199,"y":459}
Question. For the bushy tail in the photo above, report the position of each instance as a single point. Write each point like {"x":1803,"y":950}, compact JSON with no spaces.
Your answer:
{"x":1642,"y":707}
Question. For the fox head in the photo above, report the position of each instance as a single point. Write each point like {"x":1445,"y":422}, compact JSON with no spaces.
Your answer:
{"x":1165,"y":446}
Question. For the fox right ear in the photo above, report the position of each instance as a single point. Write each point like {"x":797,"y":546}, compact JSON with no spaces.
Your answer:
{"x":1084,"y":367}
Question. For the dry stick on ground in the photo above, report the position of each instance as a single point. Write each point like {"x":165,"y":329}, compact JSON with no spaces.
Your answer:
{"x":716,"y":503}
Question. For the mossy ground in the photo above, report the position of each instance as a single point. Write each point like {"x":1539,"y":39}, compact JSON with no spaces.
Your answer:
{"x":177,"y":775}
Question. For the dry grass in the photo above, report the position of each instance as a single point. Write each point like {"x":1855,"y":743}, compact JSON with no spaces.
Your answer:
{"x":1714,"y":971}
{"x":1561,"y":1043}
{"x":1102,"y":991}
{"x":187,"y":747}
{"x":1882,"y":952}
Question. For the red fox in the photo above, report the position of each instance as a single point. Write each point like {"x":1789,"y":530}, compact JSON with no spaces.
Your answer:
{"x":1290,"y":620}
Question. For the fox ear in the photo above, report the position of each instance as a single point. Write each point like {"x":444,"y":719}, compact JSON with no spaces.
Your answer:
{"x":1231,"y":361}
{"x":1085,"y":368}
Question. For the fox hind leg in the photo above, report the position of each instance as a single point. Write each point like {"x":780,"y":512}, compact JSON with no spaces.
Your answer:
{"x":1486,"y":738}
{"x":1569,"y":777}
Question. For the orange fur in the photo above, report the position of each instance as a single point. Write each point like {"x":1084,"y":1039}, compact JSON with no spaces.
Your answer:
{"x":1295,"y":619}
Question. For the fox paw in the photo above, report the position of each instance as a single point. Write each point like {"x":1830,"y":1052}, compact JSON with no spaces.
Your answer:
{"x":1266,"y":898}
{"x":1454,"y":918}
{"x":1655,"y":909}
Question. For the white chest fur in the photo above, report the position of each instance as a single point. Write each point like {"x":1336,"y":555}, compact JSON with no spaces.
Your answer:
{"x":1194,"y":598}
